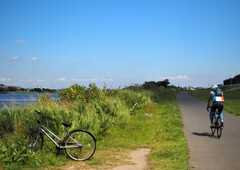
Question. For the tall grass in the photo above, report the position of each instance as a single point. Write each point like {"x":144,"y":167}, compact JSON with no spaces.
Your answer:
{"x":158,"y":127}
{"x":87,"y":108}
{"x":8,"y":119}
{"x":120,"y":120}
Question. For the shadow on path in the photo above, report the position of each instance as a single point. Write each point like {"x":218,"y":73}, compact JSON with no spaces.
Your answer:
{"x":202,"y":134}
{"x":205,"y":134}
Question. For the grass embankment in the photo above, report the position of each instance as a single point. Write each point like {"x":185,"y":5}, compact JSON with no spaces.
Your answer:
{"x":231,"y":96}
{"x":121,"y":120}
{"x":158,"y":127}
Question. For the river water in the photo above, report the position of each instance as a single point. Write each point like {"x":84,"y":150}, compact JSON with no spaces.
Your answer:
{"x":21,"y":99}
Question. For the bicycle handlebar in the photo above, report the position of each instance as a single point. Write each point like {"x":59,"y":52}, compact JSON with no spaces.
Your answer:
{"x":43,"y":116}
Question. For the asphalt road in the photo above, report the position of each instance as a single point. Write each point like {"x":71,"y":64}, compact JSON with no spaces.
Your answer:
{"x":206,"y":152}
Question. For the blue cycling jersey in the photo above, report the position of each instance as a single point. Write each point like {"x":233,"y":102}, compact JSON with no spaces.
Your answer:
{"x":216,"y":98}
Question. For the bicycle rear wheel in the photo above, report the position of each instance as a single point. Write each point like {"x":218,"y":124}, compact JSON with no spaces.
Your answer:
{"x":219,"y":128}
{"x":213,"y":129}
{"x":35,"y":141}
{"x":80,"y":145}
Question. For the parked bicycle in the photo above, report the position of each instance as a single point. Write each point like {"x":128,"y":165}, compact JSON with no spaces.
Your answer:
{"x":217,"y":125}
{"x":79,"y":145}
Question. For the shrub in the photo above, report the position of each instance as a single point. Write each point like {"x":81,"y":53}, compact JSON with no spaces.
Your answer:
{"x":77,"y":92}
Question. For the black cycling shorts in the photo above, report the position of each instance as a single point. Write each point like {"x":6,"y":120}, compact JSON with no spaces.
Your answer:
{"x":217,"y":105}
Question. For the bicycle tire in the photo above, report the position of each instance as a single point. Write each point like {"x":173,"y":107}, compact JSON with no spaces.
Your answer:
{"x":80,"y":145}
{"x":213,"y":129}
{"x":35,"y":141}
{"x":219,"y":128}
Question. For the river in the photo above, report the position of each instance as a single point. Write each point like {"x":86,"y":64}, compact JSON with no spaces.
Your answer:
{"x":21,"y":99}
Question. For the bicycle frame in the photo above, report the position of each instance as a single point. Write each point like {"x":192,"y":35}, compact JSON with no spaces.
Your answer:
{"x":78,"y":144}
{"x":47,"y":132}
{"x":218,"y":115}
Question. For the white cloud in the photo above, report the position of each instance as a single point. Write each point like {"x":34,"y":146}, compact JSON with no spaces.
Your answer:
{"x":62,"y":79}
{"x":4,"y":79}
{"x":15,"y":58}
{"x":87,"y":80}
{"x":91,"y":80}
{"x":34,"y":59}
{"x":173,"y":78}
{"x":181,"y":77}
{"x":27,"y":80}
{"x":20,"y":41}
{"x":41,"y":80}
{"x":33,"y":81}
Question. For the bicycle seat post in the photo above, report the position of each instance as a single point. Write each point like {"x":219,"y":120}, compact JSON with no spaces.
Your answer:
{"x":64,"y":133}
{"x":65,"y":129}
{"x":61,"y":140}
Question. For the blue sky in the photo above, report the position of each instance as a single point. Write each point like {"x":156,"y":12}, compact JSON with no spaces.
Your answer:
{"x":56,"y":43}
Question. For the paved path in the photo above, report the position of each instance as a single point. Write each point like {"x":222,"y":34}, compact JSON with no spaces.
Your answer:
{"x":209,"y":153}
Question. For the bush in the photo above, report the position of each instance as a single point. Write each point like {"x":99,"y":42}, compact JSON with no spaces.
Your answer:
{"x":14,"y":152}
{"x":77,"y":92}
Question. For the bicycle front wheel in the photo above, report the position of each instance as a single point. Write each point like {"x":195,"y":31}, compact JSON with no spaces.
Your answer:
{"x":35,"y":141}
{"x":80,"y":145}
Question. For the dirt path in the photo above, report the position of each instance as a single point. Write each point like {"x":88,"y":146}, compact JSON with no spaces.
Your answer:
{"x":138,"y":159}
{"x":133,"y":160}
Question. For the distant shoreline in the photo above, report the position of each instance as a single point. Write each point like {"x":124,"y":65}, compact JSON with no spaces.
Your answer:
{"x":22,"y":99}
{"x":27,"y":92}
{"x":19,"y":90}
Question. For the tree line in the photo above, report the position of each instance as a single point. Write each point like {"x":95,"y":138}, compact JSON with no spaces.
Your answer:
{"x":9,"y":89}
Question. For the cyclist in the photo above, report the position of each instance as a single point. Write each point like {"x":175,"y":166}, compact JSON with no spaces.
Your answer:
{"x":216,"y":95}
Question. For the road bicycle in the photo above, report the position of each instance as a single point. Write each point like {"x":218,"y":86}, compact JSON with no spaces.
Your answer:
{"x":79,"y":145}
{"x":218,"y":127}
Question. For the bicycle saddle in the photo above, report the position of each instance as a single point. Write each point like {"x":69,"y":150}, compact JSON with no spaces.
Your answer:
{"x":67,"y":124}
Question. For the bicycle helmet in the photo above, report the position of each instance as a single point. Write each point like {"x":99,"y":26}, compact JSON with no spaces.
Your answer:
{"x":214,"y":87}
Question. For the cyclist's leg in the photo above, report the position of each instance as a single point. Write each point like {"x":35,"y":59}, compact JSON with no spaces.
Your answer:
{"x":211,"y":116}
{"x":220,"y":109}
{"x":222,"y":117}
{"x":212,"y":112}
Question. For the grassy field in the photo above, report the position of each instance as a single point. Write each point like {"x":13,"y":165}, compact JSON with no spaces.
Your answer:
{"x":125,"y":120}
{"x":231,"y":95}
{"x":158,"y":127}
